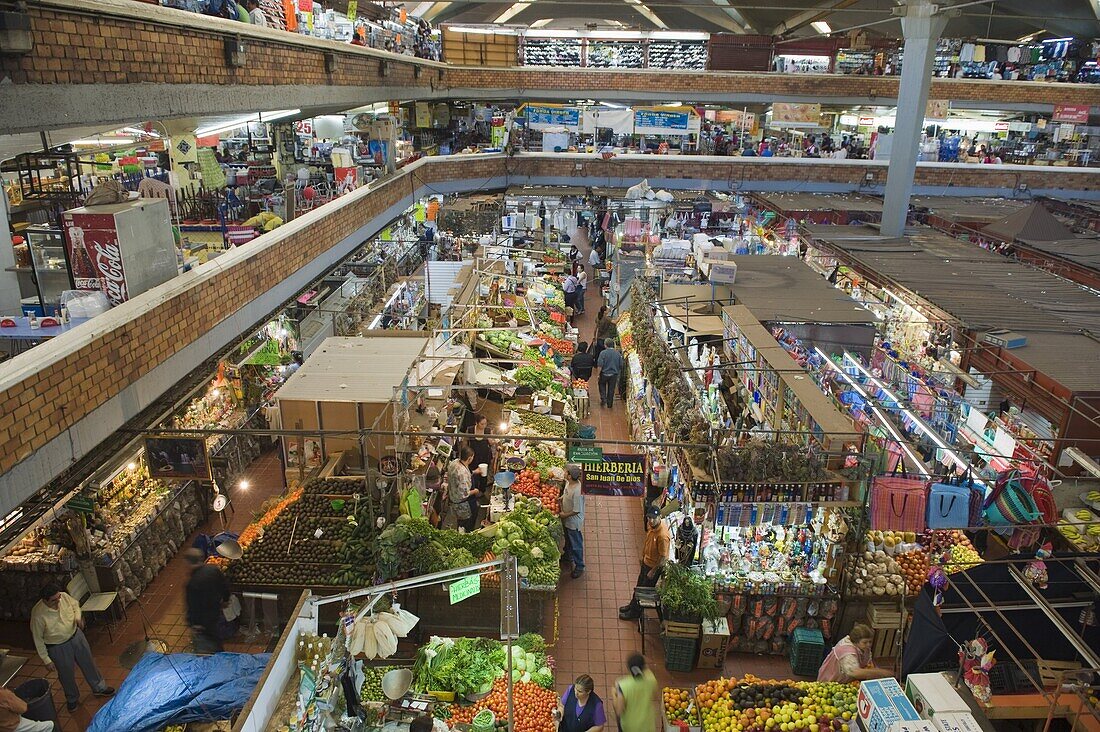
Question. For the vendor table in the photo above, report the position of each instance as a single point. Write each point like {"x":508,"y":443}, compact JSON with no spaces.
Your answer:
{"x":9,"y":667}
{"x":23,"y":337}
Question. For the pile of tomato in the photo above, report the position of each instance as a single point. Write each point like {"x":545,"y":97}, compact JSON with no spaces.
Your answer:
{"x":529,"y":483}
{"x":533,"y":706}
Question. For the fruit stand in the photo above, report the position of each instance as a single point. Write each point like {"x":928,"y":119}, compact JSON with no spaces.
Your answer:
{"x":750,"y":704}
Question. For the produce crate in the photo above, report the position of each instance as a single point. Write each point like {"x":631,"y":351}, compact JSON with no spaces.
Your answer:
{"x":883,"y":615}
{"x":885,"y":643}
{"x":680,"y":653}
{"x":682,"y":630}
{"x":807,"y":651}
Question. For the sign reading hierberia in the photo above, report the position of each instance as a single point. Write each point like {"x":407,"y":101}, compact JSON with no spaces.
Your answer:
{"x":619,"y":474}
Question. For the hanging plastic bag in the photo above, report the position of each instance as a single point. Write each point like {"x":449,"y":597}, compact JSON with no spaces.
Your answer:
{"x":406,"y":619}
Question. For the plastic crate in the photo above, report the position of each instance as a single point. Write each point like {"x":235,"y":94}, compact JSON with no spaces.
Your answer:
{"x":680,"y":653}
{"x":807,"y":651}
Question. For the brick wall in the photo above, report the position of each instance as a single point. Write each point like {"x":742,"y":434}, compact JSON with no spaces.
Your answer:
{"x":125,"y":42}
{"x":48,"y":390}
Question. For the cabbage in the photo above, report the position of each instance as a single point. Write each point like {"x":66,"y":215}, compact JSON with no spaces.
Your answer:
{"x":519,"y":663}
{"x":536,"y":553}
{"x":523,"y":570}
{"x":516,"y":675}
{"x":526,"y":678}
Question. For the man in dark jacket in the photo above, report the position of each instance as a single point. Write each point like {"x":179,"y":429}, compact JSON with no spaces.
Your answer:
{"x":582,"y":364}
{"x":207,"y":592}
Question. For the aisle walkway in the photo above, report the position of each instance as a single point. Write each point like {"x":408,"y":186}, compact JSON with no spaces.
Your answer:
{"x":159,"y":612}
{"x":587,"y":635}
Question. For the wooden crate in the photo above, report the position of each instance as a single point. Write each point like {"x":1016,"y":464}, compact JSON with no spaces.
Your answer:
{"x":681,"y":630}
{"x":883,"y":615}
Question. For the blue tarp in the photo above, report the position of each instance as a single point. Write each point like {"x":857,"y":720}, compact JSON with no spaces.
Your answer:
{"x":179,"y":688}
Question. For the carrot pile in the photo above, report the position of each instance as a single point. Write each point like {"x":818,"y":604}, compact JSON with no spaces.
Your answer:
{"x":533,"y":705}
{"x":529,"y":483}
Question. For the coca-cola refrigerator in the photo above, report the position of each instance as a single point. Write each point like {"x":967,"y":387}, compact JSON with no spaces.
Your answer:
{"x":122,"y":249}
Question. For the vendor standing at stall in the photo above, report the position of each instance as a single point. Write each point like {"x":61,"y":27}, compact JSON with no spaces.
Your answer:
{"x":654,"y":557}
{"x":580,"y":708}
{"x":572,"y":518}
{"x":459,"y":489}
{"x":851,"y":659}
{"x":483,"y":455}
{"x":57,"y":626}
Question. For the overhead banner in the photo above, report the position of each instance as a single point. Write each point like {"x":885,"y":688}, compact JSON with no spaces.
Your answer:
{"x":619,"y":474}
{"x":737,"y":118}
{"x":619,"y":121}
{"x":1075,"y":113}
{"x":936,"y":109}
{"x":541,"y":116}
{"x":796,"y":113}
{"x":655,"y":121}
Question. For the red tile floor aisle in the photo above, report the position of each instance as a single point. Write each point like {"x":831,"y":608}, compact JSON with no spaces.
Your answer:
{"x":162,"y":605}
{"x":586,"y":632}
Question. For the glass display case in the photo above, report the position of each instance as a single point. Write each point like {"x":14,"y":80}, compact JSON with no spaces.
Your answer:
{"x":51,"y":266}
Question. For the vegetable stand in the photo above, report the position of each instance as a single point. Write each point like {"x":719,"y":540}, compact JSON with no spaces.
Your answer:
{"x":319,"y":695}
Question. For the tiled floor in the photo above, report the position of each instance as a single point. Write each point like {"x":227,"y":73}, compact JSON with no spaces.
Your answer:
{"x":161,"y":610}
{"x":589,"y":637}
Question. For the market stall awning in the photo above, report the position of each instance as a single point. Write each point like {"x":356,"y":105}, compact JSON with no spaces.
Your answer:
{"x":354,"y":370}
{"x":1033,"y":223}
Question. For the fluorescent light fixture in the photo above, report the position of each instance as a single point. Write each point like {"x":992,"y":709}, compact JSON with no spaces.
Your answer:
{"x":882,"y":418}
{"x":673,"y":104}
{"x":617,"y":34}
{"x":553,"y":33}
{"x":682,"y":35}
{"x":1083,"y":460}
{"x":932,"y":434}
{"x":541,"y":22}
{"x":103,"y":142}
{"x":471,"y":29}
{"x":612,"y":105}
{"x":821,"y":27}
{"x":140,"y":133}
{"x":242,"y":121}
{"x":511,"y":12}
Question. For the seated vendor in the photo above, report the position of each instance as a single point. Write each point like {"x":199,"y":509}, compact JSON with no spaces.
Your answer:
{"x":850,"y":660}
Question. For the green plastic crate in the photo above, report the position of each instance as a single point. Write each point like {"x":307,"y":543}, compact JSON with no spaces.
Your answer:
{"x":807,"y":651}
{"x":680,"y":653}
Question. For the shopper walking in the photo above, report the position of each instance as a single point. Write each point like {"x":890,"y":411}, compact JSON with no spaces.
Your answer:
{"x":654,"y":556}
{"x":580,"y":709}
{"x":637,"y":697}
{"x":12,"y":709}
{"x":459,"y":489}
{"x":57,"y":627}
{"x":582,"y":364}
{"x":483,"y":455}
{"x":572,"y":518}
{"x":207,"y":592}
{"x":582,"y":286}
{"x":569,"y":285}
{"x":610,"y":364}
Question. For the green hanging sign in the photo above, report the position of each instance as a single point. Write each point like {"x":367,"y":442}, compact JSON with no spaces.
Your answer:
{"x":464,"y":588}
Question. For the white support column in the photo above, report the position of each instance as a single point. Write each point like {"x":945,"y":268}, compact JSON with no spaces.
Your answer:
{"x":10,"y":299}
{"x":922,"y":25}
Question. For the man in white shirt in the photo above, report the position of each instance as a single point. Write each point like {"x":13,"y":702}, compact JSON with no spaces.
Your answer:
{"x":256,"y":13}
{"x":594,"y":262}
{"x":841,"y":153}
{"x":58,"y":631}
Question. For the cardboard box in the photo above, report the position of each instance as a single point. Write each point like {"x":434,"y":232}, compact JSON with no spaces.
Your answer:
{"x":716,"y":639}
{"x":933,"y":694}
{"x":882,"y":704}
{"x":956,"y":722}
